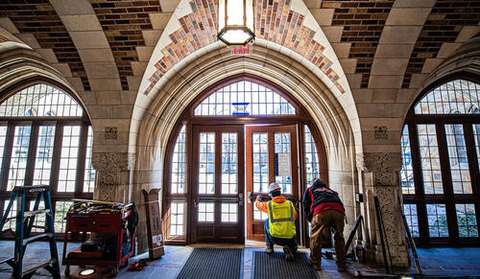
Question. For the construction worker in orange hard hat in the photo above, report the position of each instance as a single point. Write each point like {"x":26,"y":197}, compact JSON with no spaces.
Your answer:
{"x":280,"y":225}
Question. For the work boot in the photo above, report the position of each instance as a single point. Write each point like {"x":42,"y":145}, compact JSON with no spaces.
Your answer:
{"x":288,"y":254}
{"x":269,"y":249}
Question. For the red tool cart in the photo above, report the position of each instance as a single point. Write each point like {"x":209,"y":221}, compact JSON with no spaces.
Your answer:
{"x":100,"y":219}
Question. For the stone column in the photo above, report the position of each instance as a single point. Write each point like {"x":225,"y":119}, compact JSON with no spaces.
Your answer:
{"x":113,"y":176}
{"x":380,"y":172}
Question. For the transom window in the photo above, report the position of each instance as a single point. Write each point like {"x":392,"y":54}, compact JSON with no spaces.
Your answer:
{"x":45,"y":138}
{"x":244,"y":98}
{"x":440,"y":176}
{"x":207,"y":161}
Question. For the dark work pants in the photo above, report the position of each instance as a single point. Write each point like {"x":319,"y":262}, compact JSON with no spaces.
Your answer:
{"x":327,"y":219}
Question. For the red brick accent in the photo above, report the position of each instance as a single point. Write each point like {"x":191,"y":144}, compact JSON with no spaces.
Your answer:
{"x":363,"y":23}
{"x":42,"y":21}
{"x":123,"y":22}
{"x":442,"y":26}
{"x":274,"y":21}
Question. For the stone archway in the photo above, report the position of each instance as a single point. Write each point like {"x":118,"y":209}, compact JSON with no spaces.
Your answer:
{"x":159,"y":118}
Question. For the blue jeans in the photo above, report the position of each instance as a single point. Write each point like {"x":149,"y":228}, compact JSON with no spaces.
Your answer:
{"x":270,"y":240}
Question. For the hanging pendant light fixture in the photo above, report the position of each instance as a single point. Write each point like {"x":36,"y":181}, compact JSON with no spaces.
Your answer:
{"x":235,"y":22}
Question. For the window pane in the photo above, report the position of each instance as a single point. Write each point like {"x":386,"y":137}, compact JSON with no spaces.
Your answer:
{"x":229,"y":163}
{"x":206,"y":170}
{"x":177,"y":185}
{"x":61,"y":210}
{"x":229,"y":212}
{"x":43,"y":160}
{"x":457,"y":153}
{"x":206,"y":211}
{"x":406,"y":174}
{"x":3,"y":135}
{"x":258,"y":215}
{"x":467,"y":220}
{"x":177,"y":216}
{"x":40,"y":100}
{"x":68,"y":159}
{"x":260,"y":163}
{"x":12,"y":213}
{"x":454,"y":97}
{"x":430,"y":159}
{"x":18,"y":163}
{"x":40,"y":218}
{"x":476,"y":134}
{"x":283,"y":172}
{"x":311,"y":157}
{"x":410,"y":211}
{"x":244,"y":98}
{"x":437,"y":220}
{"x":89,"y":178}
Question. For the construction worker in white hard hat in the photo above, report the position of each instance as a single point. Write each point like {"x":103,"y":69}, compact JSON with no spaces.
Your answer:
{"x":280,"y":225}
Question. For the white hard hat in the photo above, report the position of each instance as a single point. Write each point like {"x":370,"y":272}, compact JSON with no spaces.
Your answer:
{"x":274,"y":186}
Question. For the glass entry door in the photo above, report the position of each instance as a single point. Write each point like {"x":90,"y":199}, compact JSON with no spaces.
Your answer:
{"x":218,"y":184}
{"x":271,"y":155}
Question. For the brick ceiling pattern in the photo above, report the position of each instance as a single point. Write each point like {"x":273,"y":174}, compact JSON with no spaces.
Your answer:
{"x":363,"y":23}
{"x":274,"y":21}
{"x":39,"y":18}
{"x":198,"y":30}
{"x":442,"y":26}
{"x":123,"y":22}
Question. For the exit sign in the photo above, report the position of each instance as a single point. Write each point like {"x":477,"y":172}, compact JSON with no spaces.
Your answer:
{"x":241,"y":49}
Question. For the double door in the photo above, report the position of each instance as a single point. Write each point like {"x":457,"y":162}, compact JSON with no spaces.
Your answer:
{"x":231,"y":166}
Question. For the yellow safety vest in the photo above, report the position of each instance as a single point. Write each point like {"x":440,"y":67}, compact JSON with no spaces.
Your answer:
{"x":281,"y":218}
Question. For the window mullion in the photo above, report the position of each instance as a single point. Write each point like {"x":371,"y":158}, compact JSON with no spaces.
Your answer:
{"x":57,"y":151}
{"x":7,"y":156}
{"x":447,"y":181}
{"x":473,"y":165}
{"x":32,"y":147}
{"x":418,"y":180}
{"x":82,"y":149}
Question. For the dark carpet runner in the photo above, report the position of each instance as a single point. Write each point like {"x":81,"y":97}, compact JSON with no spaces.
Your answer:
{"x":214,"y":263}
{"x":275,"y":266}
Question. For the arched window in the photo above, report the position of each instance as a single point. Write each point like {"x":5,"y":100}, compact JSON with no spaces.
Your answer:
{"x":229,"y":144}
{"x":45,"y":138}
{"x":440,"y":176}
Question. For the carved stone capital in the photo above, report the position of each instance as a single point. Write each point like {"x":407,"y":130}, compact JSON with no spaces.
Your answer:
{"x":109,"y":162}
{"x":380,"y":162}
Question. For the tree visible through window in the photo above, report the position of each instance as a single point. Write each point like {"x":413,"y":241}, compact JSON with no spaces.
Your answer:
{"x":41,"y":134}
{"x":442,"y":154}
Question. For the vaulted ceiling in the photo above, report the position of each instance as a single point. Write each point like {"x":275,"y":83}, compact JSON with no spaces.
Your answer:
{"x":112,"y":40}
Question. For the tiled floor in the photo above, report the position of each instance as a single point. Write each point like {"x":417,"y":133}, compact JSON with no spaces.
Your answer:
{"x":438,"y":262}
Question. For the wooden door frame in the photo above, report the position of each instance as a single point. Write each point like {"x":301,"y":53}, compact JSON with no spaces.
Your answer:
{"x":295,"y":169}
{"x":218,"y":130}
{"x":302,"y":118}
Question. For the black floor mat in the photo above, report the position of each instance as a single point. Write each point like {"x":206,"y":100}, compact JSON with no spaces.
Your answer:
{"x":213,"y":263}
{"x":275,"y":266}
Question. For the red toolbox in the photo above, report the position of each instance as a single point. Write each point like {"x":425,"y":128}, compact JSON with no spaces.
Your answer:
{"x":84,"y":217}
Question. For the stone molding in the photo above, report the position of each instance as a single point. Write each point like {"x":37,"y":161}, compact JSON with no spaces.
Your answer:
{"x":109,"y":167}
{"x":384,"y":166}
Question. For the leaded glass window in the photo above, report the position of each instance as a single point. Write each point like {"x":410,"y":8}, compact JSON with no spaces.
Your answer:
{"x":244,"y":98}
{"x":457,"y":96}
{"x":311,"y":157}
{"x":46,"y":138}
{"x":441,"y":163}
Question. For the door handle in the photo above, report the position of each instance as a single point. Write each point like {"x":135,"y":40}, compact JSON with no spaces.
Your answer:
{"x":240,"y":199}
{"x":249,"y":196}
{"x":195,"y":202}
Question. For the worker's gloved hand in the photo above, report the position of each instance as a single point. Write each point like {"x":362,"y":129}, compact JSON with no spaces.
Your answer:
{"x":259,"y":198}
